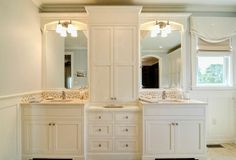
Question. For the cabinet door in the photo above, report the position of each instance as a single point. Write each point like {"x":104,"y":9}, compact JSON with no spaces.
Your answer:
{"x":159,"y":137}
{"x":101,"y":63}
{"x":67,"y":137}
{"x":125,"y":56}
{"x":189,"y":137}
{"x":37,"y":137}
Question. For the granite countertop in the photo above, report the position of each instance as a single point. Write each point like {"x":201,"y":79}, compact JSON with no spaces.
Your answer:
{"x":172,"y":101}
{"x":57,"y":101}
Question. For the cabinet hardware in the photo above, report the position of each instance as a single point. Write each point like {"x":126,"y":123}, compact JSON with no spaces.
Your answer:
{"x":99,"y":129}
{"x":176,"y":124}
{"x":53,"y":124}
{"x":126,"y":145}
{"x":99,"y":117}
{"x":127,"y":117}
{"x":99,"y":145}
{"x":50,"y":124}
{"x":173,"y":124}
{"x":126,"y":129}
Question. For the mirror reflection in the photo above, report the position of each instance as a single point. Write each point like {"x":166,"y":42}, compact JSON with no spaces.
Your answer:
{"x":66,"y":60}
{"x":160,"y":60}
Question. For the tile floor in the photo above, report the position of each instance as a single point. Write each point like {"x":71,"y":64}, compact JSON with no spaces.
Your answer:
{"x":226,"y":153}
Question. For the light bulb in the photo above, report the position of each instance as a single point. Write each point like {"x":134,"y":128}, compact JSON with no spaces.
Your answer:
{"x":163,"y":33}
{"x":74,"y":33}
{"x":59,"y":28}
{"x":168,"y":29}
{"x":70,"y":28}
{"x":153,"y":34}
{"x":156,"y":29}
{"x":63,"y":33}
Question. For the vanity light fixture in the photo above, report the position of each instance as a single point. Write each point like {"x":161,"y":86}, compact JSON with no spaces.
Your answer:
{"x":161,"y":27}
{"x":66,"y":27}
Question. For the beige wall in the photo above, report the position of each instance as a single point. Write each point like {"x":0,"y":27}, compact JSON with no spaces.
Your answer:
{"x":20,"y":47}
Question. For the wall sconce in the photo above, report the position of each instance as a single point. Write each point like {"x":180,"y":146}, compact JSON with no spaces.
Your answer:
{"x":66,"y":27}
{"x":162,"y":28}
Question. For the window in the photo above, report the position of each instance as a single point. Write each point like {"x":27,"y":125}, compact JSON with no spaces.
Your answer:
{"x":214,"y":69}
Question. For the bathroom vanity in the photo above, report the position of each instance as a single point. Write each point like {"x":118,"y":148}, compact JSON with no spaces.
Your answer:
{"x":53,"y":130}
{"x":174,"y":129}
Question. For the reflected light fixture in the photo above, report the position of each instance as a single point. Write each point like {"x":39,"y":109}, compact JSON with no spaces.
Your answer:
{"x":66,"y":27}
{"x":162,"y":28}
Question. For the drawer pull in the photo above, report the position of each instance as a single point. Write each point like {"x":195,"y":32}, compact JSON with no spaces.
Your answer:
{"x":99,"y":145}
{"x":126,"y":129}
{"x":99,"y":129}
{"x":126,"y":117}
{"x":53,"y":124}
{"x":99,"y":117}
{"x":50,"y":124}
{"x":126,"y":145}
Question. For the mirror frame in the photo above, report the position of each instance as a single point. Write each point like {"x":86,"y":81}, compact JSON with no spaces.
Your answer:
{"x":183,"y":20}
{"x":48,"y":22}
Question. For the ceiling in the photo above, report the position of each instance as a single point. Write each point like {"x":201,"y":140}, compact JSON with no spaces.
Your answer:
{"x":159,"y":43}
{"x":138,"y":2}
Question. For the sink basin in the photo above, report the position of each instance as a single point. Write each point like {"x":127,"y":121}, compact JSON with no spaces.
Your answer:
{"x":60,"y":100}
{"x":170,"y":100}
{"x":113,"y":106}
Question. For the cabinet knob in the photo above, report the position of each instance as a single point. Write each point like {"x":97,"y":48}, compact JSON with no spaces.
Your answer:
{"x":99,"y":117}
{"x":99,"y":129}
{"x":126,"y":145}
{"x":53,"y":124}
{"x":99,"y":145}
{"x":176,"y":124}
{"x":126,"y":129}
{"x":126,"y":117}
{"x":173,"y":124}
{"x":50,"y":124}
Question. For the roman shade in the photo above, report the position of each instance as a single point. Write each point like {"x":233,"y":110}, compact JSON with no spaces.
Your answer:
{"x":204,"y":45}
{"x":213,"y":28}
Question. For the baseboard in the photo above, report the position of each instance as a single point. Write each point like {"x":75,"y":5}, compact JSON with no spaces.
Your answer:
{"x":113,"y":156}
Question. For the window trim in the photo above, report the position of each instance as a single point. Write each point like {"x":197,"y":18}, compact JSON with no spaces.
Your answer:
{"x":196,"y":53}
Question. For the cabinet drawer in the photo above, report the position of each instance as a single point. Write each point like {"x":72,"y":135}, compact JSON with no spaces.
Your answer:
{"x":126,"y":130}
{"x":100,"y":116}
{"x":52,"y":110}
{"x":126,"y":145}
{"x":100,"y":130}
{"x":126,"y":117}
{"x":98,"y":145}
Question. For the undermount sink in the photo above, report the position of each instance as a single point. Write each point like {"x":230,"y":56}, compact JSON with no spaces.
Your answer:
{"x":113,"y":106}
{"x":170,"y":100}
{"x":60,"y":100}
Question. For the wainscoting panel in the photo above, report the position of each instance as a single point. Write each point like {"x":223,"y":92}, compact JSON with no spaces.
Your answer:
{"x":9,"y":129}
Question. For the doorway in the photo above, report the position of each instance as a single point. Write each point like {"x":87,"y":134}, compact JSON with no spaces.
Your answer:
{"x":150,"y":72}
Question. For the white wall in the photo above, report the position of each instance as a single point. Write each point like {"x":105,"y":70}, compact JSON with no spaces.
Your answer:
{"x":220,"y":114}
{"x":20,"y":47}
{"x":20,"y":68}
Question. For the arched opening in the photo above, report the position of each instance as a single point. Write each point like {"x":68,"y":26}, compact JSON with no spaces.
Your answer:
{"x":150,"y":72}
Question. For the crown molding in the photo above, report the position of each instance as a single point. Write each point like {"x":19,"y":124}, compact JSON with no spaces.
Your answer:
{"x":37,"y":3}
{"x":146,"y":8}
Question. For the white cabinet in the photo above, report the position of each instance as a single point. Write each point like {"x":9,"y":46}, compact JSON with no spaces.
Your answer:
{"x":113,"y":133}
{"x":52,"y":131}
{"x":113,"y":63}
{"x":174,"y":131}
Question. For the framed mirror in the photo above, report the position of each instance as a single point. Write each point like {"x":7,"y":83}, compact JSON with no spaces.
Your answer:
{"x":160,"y":55}
{"x":65,"y":58}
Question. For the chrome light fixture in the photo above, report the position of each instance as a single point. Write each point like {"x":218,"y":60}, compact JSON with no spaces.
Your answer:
{"x":66,"y":27}
{"x":162,"y":28}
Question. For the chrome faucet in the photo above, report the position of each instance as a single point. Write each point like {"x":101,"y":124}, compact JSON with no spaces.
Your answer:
{"x":163,"y":96}
{"x":63,"y":95}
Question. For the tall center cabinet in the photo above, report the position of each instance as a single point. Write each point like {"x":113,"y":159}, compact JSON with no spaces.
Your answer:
{"x":113,"y":48}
